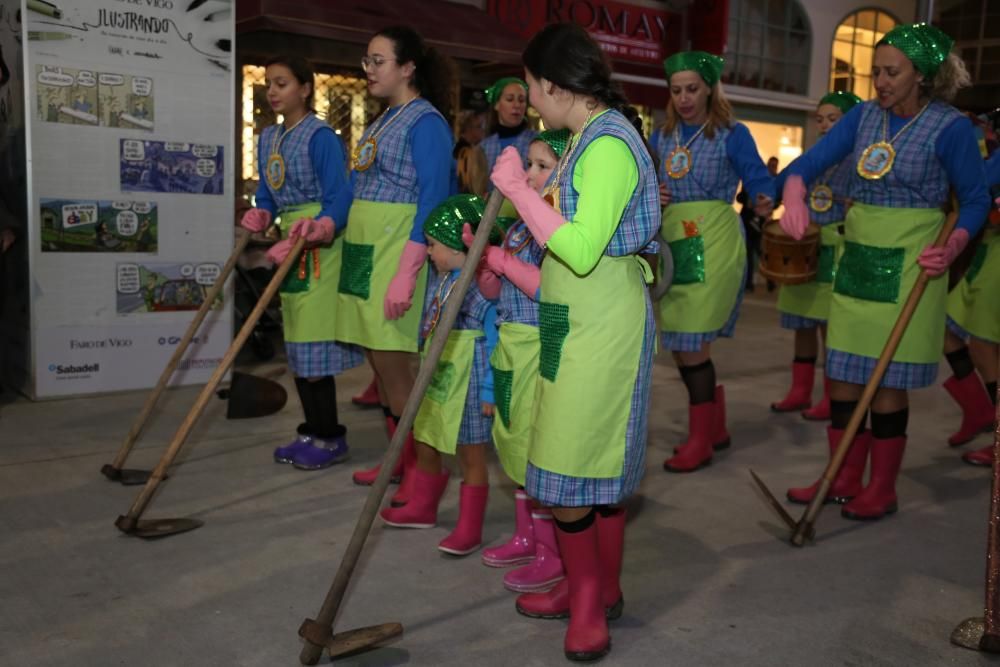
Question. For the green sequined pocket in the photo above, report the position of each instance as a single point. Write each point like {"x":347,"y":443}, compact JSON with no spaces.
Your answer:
{"x":503,"y":385}
{"x":356,"y":270}
{"x":292,"y":284}
{"x":689,"y":260}
{"x":553,"y":327}
{"x":444,"y":376}
{"x":870,"y":273}
{"x":976,"y":264}
{"x":824,"y":272}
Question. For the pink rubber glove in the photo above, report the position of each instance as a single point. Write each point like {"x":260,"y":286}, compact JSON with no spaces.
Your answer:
{"x":936,"y":261}
{"x":279,"y":251}
{"x":796,"y":216}
{"x":399,"y":296}
{"x":509,"y":178}
{"x":526,"y":277}
{"x":489,"y":284}
{"x":317,"y":231}
{"x":256,"y":220}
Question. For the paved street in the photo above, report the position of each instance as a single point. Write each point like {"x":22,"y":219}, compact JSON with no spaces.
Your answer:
{"x":709,"y":579}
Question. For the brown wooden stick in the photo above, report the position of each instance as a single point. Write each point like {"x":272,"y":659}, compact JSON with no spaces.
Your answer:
{"x":991,"y":618}
{"x":128,"y":523}
{"x":242,"y":237}
{"x":805,"y":524}
{"x":311,"y":651}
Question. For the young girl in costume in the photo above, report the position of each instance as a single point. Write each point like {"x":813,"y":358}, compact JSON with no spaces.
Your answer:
{"x":704,"y":154}
{"x":909,"y":147}
{"x":509,"y":98}
{"x":303,"y":184}
{"x":452,"y":411}
{"x":402,"y":170}
{"x":972,"y":342}
{"x":588,"y":439}
{"x":804,"y":307}
{"x":512,"y":274}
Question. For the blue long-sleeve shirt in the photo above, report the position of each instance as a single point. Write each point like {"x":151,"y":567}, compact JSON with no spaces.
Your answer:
{"x":328,"y":159}
{"x":955,"y":147}
{"x":431,"y":145}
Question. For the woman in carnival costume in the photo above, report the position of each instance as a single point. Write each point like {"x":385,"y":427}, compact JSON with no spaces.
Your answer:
{"x":909,"y":147}
{"x":509,"y":98}
{"x":303,"y":183}
{"x":588,"y":438}
{"x":704,"y":154}
{"x":804,"y":307}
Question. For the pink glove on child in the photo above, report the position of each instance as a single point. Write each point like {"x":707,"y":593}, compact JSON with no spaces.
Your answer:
{"x":399,"y":296}
{"x":510,"y":179}
{"x":256,"y":220}
{"x":279,"y":251}
{"x":317,"y":231}
{"x":936,"y":260}
{"x":796,"y":217}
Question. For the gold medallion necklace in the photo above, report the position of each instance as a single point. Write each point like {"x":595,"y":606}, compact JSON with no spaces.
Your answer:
{"x":363,"y":155}
{"x":876,"y":161}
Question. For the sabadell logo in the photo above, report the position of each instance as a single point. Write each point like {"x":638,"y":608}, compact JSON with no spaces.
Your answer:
{"x":59,"y":369}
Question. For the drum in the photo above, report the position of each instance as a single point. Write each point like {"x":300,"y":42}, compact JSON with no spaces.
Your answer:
{"x":787,"y":261}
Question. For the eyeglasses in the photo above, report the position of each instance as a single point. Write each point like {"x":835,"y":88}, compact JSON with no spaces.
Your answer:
{"x":368,"y":62}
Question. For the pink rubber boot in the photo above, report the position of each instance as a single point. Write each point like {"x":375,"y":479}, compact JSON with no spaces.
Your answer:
{"x":468,"y":534}
{"x":409,"y":462}
{"x":546,"y":570}
{"x":520,"y":549}
{"x":421,"y":510}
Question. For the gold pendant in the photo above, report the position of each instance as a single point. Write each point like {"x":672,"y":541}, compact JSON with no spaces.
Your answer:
{"x":363,"y":155}
{"x":876,"y":161}
{"x":821,"y":199}
{"x":678,"y":163}
{"x":551,"y":197}
{"x":275,"y":171}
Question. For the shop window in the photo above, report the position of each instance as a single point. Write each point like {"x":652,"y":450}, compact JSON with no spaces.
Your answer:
{"x":769,"y":46}
{"x":854,"y":50}
{"x":341,"y":100}
{"x":975,"y":25}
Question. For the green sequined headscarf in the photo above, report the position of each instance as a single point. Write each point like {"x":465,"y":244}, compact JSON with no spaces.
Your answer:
{"x":927,"y":47}
{"x":707,"y":65}
{"x":557,"y":140}
{"x":444,"y":224}
{"x":494,"y":92}
{"x":841,"y":99}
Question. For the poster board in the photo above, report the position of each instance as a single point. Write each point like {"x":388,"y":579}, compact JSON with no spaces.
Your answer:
{"x":130,"y":108}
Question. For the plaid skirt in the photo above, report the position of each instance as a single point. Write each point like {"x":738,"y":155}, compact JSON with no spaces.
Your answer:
{"x":856,"y":369}
{"x":476,"y":428}
{"x":680,"y":341}
{"x":957,"y":329}
{"x":795,"y":322}
{"x":558,"y":490}
{"x":319,"y":359}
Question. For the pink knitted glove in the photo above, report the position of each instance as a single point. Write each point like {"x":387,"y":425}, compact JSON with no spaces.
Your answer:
{"x":936,"y":261}
{"x":796,"y":217}
{"x":399,"y":296}
{"x":279,"y":251}
{"x":317,"y":231}
{"x":256,"y":220}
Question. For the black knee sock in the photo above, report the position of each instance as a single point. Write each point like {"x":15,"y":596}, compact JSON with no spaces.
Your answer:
{"x":700,"y":382}
{"x":991,"y":389}
{"x":577,"y":526}
{"x":304,"y":389}
{"x":327,"y":420}
{"x":387,"y":411}
{"x":607,"y":511}
{"x":840,"y":414}
{"x":887,"y":425}
{"x":960,"y":362}
{"x":805,"y":360}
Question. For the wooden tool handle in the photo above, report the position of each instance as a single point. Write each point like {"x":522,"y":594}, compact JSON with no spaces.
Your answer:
{"x":209,"y":389}
{"x":335,"y":596}
{"x":895,"y":336}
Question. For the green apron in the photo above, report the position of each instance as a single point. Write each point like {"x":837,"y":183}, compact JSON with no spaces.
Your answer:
{"x":876,"y":273}
{"x":812,"y":299}
{"x":515,"y":373}
{"x":309,"y":302}
{"x":373,"y":243}
{"x":591,"y":331}
{"x":440,"y":416}
{"x":710,"y":258}
{"x":975,"y":302}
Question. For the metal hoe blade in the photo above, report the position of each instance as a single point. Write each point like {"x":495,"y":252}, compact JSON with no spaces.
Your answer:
{"x":350,"y":642}
{"x":126,"y":476}
{"x":151,"y":529}
{"x":777,"y":506}
{"x":971,"y":634}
